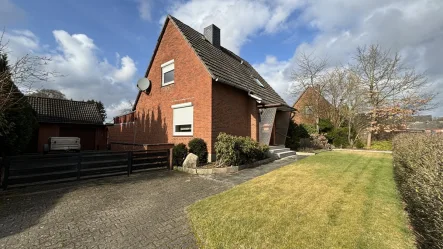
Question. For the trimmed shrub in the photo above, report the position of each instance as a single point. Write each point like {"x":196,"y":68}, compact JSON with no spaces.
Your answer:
{"x":179,"y":153}
{"x":295,"y":134}
{"x":381,"y":145}
{"x":235,"y":150}
{"x":198,"y":147}
{"x":418,"y":167}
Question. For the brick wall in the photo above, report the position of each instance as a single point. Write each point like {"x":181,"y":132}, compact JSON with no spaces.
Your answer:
{"x":309,"y":98}
{"x":192,"y":83}
{"x":234,"y":112}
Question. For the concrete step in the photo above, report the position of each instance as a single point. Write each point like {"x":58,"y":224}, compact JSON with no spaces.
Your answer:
{"x":274,"y":147}
{"x":285,"y":154}
{"x":278,"y":150}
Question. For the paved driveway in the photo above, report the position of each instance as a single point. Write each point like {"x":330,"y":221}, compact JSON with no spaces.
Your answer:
{"x":146,"y":210}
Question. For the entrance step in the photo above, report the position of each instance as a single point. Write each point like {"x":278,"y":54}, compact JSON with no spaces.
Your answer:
{"x":280,"y":151}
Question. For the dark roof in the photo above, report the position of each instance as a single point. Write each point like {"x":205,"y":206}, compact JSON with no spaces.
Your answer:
{"x":427,"y":125}
{"x":51,"y":110}
{"x":223,"y":65}
{"x":421,"y":118}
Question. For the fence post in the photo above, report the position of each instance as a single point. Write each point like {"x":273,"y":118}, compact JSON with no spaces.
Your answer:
{"x":6,"y":163}
{"x":129,"y":162}
{"x":79,"y":165}
{"x":170,"y":159}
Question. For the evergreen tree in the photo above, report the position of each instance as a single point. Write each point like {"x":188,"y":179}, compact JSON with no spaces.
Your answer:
{"x":101,"y":108}
{"x":18,"y":121}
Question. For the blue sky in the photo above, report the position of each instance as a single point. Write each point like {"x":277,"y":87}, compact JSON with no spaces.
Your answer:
{"x":103,"y":46}
{"x":116,"y":26}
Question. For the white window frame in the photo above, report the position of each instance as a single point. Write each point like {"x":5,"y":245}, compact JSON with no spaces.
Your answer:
{"x":175,"y":122}
{"x":308,"y":110}
{"x":166,"y":67}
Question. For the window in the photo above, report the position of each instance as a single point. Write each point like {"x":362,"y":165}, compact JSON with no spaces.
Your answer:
{"x":183,"y":119}
{"x":258,"y":82}
{"x":168,"y":73}
{"x":308,"y":110}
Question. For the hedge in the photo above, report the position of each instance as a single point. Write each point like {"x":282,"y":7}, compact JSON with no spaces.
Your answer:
{"x":235,"y":150}
{"x":418,"y":166}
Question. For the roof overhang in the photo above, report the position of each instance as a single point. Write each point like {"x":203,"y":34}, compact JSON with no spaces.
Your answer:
{"x":280,"y":107}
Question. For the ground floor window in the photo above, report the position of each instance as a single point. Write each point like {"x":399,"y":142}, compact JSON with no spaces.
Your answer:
{"x":183,"y":119}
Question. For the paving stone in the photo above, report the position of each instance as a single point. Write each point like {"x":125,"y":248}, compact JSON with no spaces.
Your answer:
{"x":145,"y":210}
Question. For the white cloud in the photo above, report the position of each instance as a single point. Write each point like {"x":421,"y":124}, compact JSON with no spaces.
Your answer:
{"x":411,"y":27}
{"x":239,"y":20}
{"x":117,"y":109}
{"x":276,"y":73}
{"x":144,"y":9}
{"x":85,"y":74}
{"x":127,"y":70}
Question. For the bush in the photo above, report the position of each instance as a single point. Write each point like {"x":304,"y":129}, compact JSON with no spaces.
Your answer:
{"x":319,"y":142}
{"x":359,"y":144}
{"x":339,"y":137}
{"x":198,"y":147}
{"x":381,"y":145}
{"x":418,"y":167}
{"x":325,"y":125}
{"x":235,"y":150}
{"x":179,"y":153}
{"x":309,"y":128}
{"x":295,"y":134}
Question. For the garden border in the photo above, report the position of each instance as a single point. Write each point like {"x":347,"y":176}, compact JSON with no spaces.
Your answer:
{"x":225,"y":170}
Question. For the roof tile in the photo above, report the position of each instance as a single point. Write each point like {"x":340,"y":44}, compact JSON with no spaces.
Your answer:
{"x":227,"y":67}
{"x":50,"y":110}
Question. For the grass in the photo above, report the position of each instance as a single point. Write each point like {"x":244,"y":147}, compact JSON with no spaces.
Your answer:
{"x":331,"y":200}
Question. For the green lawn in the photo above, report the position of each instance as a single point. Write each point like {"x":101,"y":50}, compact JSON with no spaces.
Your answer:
{"x":330,"y":200}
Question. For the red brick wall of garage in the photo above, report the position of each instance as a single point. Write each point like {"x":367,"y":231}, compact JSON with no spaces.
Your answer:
{"x":192,"y":83}
{"x":44,"y":132}
{"x":234,"y":112}
{"x":94,"y":139}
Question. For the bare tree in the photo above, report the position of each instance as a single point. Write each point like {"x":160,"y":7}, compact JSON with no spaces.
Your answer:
{"x":307,"y":74}
{"x":127,"y":109}
{"x":336,"y":91}
{"x":392,"y":91}
{"x":21,"y":75}
{"x":344,"y":92}
{"x":48,"y":93}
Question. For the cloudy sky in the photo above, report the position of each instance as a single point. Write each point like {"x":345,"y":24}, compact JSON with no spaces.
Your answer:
{"x":102,"y":47}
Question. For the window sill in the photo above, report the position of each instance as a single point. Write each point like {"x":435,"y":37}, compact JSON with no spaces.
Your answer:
{"x":167,"y":84}
{"x":182,"y":135}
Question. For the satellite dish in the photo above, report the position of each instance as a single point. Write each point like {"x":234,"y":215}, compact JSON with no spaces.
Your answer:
{"x":143,"y":84}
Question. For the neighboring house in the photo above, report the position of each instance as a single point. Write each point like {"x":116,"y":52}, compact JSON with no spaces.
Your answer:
{"x":306,"y":107}
{"x":425,"y":123}
{"x":199,"y":89}
{"x":67,"y":118}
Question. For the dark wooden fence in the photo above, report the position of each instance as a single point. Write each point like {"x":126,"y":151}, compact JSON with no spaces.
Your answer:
{"x":34,"y":169}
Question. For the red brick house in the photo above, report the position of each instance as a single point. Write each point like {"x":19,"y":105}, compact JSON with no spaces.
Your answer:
{"x":199,"y":89}
{"x":67,"y":118}
{"x":305,"y":106}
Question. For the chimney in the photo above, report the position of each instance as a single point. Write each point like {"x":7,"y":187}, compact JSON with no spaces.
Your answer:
{"x":212,"y":34}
